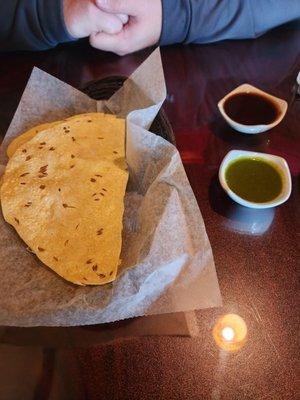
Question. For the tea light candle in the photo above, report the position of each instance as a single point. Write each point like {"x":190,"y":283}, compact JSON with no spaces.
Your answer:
{"x":230,"y":332}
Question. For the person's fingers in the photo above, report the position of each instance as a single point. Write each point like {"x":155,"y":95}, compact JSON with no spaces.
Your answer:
{"x":124,"y":18}
{"x":103,"y":41}
{"x":129,"y":7}
{"x":108,"y":23}
{"x":114,"y":43}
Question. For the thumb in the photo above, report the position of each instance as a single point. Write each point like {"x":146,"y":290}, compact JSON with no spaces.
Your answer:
{"x":128,"y":7}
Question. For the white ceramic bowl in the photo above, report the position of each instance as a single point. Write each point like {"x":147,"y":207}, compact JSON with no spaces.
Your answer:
{"x":282,"y":167}
{"x":253,"y":129}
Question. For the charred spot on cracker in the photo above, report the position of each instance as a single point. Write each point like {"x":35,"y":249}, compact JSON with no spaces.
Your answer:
{"x":104,"y":189}
{"x":95,"y":267}
{"x":55,"y":258}
{"x":28,"y":204}
{"x":89,"y":120}
{"x":27,"y":158}
{"x":102,"y":276}
{"x":24,"y":151}
{"x":72,"y":156}
{"x":89,"y":261}
{"x":67,"y":206}
{"x":73,"y":139}
{"x":52,"y":149}
{"x":72,"y":166}
{"x":111,"y":272}
{"x":42,"y":187}
{"x":43,"y":143}
{"x":99,"y":176}
{"x":41,"y":249}
{"x":115,"y":152}
{"x":100,"y":231}
{"x":25,"y":173}
{"x":66,"y":242}
{"x":100,"y":138}
{"x":102,"y":194}
{"x":59,"y":189}
{"x":43,"y":170}
{"x":22,"y":183}
{"x":17,"y":221}
{"x":93,"y":180}
{"x":96,"y":199}
{"x":77,"y":226}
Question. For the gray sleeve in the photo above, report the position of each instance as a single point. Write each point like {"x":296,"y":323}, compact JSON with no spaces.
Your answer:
{"x":205,"y":21}
{"x":31,"y":24}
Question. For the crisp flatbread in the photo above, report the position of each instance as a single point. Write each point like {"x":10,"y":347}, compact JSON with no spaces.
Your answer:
{"x":63,"y":192}
{"x":28,"y":135}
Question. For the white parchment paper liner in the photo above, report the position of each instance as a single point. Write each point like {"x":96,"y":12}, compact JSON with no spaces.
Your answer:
{"x":167,"y":259}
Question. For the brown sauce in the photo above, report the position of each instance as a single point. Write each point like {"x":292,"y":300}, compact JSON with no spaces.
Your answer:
{"x":251,"y":109}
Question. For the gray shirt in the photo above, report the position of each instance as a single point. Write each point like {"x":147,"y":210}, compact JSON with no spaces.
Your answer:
{"x":205,"y":21}
{"x":39,"y":24}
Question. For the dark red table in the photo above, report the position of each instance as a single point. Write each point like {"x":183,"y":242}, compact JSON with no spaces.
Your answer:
{"x":256,"y":252}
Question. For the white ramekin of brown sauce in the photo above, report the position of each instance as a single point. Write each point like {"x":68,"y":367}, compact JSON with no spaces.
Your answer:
{"x":251,"y":110}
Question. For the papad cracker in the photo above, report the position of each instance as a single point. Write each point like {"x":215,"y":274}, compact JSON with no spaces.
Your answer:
{"x":63,"y":191}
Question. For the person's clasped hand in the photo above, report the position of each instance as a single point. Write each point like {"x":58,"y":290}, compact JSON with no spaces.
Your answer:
{"x":119,"y":26}
{"x":84,"y":18}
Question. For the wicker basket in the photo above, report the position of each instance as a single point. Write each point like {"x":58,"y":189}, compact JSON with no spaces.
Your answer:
{"x":105,"y":88}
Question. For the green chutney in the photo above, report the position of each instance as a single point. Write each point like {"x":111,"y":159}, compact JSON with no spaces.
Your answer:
{"x":254,"y":179}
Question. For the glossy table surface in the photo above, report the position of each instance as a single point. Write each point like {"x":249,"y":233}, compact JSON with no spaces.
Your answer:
{"x":256,"y":252}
